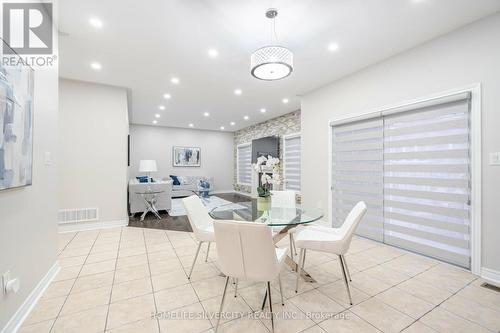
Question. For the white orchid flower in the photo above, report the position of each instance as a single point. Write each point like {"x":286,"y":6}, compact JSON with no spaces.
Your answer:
{"x":261,"y":160}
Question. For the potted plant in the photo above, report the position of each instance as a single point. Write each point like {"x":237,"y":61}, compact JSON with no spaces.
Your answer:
{"x":266,"y":166}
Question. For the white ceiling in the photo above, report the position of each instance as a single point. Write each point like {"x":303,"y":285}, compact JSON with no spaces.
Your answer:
{"x":142,"y":44}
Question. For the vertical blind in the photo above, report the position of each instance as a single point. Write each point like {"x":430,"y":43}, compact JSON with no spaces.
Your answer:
{"x":413,"y":171}
{"x":291,"y":164}
{"x":358,"y":174}
{"x":244,"y":160}
{"x":427,"y":181}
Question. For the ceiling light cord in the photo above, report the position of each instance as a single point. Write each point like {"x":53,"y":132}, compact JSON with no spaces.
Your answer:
{"x":274,"y":30}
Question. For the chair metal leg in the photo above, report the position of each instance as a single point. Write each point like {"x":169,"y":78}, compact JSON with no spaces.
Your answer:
{"x":291,"y":245}
{"x":281,"y":290}
{"x":236,"y":288}
{"x":270,"y":305}
{"x":221,"y":304}
{"x":294,"y":247}
{"x":346,"y":268}
{"x":208,"y":250}
{"x":345,"y":278}
{"x":194,"y":261}
{"x":304,"y":259}
{"x":264,"y":301}
{"x":299,"y":265}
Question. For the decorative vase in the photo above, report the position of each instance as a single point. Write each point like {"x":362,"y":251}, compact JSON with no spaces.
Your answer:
{"x":263,"y":203}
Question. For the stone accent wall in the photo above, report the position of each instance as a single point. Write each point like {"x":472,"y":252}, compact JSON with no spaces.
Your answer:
{"x":282,"y":125}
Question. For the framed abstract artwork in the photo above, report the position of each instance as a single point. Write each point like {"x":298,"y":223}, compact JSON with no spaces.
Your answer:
{"x":16,"y":126}
{"x":186,"y":156}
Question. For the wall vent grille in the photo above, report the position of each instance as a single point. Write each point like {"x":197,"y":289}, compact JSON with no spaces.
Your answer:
{"x":78,"y":215}
{"x":491,"y":287}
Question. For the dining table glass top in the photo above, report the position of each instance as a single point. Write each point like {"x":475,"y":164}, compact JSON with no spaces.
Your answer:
{"x":262,"y":210}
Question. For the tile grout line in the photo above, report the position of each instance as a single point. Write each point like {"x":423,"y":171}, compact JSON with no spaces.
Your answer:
{"x":348,"y":308}
{"x":394,"y":286}
{"x":190,"y":282}
{"x":113,"y":281}
{"x":456,"y":314}
{"x":151,"y":279}
{"x":243,"y":299}
{"x":67,"y":243}
{"x":74,"y":282}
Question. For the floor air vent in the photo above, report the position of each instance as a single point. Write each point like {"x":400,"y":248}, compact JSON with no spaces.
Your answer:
{"x":491,"y":287}
{"x":78,"y":215}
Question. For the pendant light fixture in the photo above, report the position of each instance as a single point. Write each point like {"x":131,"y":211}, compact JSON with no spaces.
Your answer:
{"x":271,"y":62}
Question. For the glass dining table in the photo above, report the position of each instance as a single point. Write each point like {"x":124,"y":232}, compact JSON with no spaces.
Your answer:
{"x":279,"y":216}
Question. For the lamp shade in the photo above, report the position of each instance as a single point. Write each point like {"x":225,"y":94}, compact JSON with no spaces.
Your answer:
{"x":147,"y":166}
{"x":271,"y":63}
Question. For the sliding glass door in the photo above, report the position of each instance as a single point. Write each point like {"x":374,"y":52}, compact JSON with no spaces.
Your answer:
{"x":412,"y":168}
{"x":358,"y":171}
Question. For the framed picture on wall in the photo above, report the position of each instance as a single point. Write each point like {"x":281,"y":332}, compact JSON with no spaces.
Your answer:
{"x":16,"y":125}
{"x":186,"y":156}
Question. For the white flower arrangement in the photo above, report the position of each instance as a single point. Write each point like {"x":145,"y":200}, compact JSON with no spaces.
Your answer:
{"x":267,"y":164}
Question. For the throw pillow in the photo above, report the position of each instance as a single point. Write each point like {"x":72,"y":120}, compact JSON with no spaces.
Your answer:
{"x":175,"y":180}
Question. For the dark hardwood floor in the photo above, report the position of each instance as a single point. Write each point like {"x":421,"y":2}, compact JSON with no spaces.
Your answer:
{"x":178,"y":223}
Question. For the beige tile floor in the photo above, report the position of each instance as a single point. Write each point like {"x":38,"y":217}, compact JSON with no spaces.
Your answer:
{"x":134,"y":280}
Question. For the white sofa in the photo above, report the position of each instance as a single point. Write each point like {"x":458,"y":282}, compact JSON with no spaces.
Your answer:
{"x":189,"y":185}
{"x":164,"y":199}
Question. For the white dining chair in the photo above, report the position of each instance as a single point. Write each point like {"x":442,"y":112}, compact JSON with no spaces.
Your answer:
{"x":246,"y":251}
{"x":285,"y":200}
{"x":201,"y":223}
{"x":330,"y":240}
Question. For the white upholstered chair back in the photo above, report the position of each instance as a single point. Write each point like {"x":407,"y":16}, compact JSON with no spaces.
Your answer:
{"x":346,"y":231}
{"x":282,"y":199}
{"x":246,"y":250}
{"x":198,"y":215}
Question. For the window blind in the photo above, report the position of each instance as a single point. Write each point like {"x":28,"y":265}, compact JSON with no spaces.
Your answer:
{"x":244,"y":161}
{"x":358,"y":174}
{"x":291,"y":164}
{"x":427,"y":181}
{"x":412,"y":168}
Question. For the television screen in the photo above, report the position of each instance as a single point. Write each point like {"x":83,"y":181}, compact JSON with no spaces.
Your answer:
{"x":265,"y":147}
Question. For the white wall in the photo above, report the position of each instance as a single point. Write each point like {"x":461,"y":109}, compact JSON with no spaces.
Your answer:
{"x":469,"y":55}
{"x":155,"y":143}
{"x":93,"y":129}
{"x":28,"y":228}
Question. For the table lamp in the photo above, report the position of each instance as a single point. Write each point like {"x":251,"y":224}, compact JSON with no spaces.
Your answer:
{"x":148,"y":166}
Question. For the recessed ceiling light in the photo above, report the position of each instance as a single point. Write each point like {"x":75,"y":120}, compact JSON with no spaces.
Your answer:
{"x":237,"y":92}
{"x":212,"y":53}
{"x":246,"y":117}
{"x":161,"y":107}
{"x":167,"y":96}
{"x":175,"y":80}
{"x":262,"y":110}
{"x":155,"y":122}
{"x":206,"y":114}
{"x":232,"y":123}
{"x":96,"y":66}
{"x":285,"y":100}
{"x":95,"y":22}
{"x":190,"y":125}
{"x":332,"y":47}
{"x":222,"y":128}
{"x":157,"y":115}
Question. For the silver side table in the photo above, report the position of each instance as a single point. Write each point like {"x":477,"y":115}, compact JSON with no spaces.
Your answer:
{"x":150,"y":197}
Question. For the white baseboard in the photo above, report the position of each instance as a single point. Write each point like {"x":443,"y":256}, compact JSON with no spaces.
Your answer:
{"x":29,"y":303}
{"x":491,"y":275}
{"x":82,"y":226}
